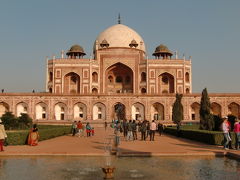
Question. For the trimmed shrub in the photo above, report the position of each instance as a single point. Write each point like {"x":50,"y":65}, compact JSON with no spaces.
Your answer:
{"x":11,"y":122}
{"x":208,"y":137}
{"x":46,"y":132}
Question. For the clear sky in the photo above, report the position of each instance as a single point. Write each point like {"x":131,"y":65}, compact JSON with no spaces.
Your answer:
{"x":207,"y":30}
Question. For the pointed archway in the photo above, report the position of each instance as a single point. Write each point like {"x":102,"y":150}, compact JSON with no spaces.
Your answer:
{"x":119,"y":79}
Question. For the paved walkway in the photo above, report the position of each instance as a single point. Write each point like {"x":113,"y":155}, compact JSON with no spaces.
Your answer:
{"x":165,"y":145}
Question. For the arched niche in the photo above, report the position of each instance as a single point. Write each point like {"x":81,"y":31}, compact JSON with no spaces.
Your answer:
{"x":80,"y":111}
{"x":138,"y":111}
{"x":41,"y":111}
{"x":99,"y":111}
{"x":60,"y":111}
{"x":157,"y":111}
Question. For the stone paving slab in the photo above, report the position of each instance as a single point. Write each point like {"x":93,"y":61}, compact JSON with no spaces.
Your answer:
{"x":165,"y":145}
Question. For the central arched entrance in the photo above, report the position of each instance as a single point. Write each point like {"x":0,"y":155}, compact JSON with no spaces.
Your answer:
{"x":119,"y":111}
{"x":119,"y":79}
{"x":166,"y":83}
{"x":72,"y":83}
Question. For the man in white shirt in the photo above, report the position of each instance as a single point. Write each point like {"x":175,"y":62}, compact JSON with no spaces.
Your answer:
{"x":153,"y":128}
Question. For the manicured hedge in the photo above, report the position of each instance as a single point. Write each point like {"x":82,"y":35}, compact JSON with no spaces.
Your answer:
{"x":45,"y":132}
{"x":209,"y":137}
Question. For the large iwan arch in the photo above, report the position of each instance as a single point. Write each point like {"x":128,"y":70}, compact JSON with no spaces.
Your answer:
{"x":119,"y":79}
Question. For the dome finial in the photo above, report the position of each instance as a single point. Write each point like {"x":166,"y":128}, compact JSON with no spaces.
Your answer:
{"x":119,"y":18}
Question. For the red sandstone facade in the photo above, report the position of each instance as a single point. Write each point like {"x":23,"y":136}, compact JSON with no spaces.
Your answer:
{"x":118,"y":73}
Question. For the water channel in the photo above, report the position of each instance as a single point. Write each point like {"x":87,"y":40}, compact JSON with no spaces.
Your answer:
{"x":89,"y":168}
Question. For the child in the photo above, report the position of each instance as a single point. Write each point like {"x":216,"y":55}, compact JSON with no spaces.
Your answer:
{"x":92,"y":130}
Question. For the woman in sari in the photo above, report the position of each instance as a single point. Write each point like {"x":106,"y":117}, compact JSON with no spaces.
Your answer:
{"x":33,"y":136}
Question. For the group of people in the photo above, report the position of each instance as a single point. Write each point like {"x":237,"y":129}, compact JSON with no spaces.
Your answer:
{"x":78,"y":129}
{"x":227,"y":127}
{"x":131,"y":128}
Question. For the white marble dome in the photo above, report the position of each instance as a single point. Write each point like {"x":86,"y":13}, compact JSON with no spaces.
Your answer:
{"x":120,"y":35}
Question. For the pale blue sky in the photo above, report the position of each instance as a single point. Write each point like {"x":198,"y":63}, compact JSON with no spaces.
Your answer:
{"x":207,"y":30}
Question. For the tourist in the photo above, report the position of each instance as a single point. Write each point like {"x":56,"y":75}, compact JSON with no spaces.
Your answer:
{"x":134,"y":130}
{"x":237,"y":134}
{"x":160,"y":128}
{"x":153,"y":128}
{"x":105,"y":125}
{"x":148,"y":129}
{"x":80,"y":128}
{"x":125,"y":128}
{"x":225,"y":128}
{"x":117,"y":133}
{"x":92,"y":131}
{"x":3,"y":135}
{"x":74,"y":128}
{"x":88,"y":129}
{"x":129,"y":131}
{"x":33,"y":136}
{"x":143,"y":129}
{"x":231,"y":126}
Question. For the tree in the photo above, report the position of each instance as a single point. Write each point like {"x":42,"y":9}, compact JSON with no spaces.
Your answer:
{"x":9,"y":120}
{"x":24,"y":121}
{"x":177,"y":113}
{"x":206,"y":118}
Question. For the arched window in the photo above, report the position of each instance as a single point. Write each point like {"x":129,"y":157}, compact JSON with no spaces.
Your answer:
{"x":118,"y":79}
{"x":165,"y":80}
{"x":187,"y":91}
{"x":187,"y":77}
{"x":128,"y":80}
{"x":94,"y":91}
{"x":94,"y":77}
{"x":110,"y":79}
{"x":143,"y":90}
{"x":143,"y":77}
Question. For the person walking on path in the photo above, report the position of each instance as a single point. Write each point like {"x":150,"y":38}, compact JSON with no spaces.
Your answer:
{"x":88,"y":129}
{"x":129,"y":131}
{"x":134,"y":130}
{"x":117,"y":133}
{"x":105,"y":125}
{"x":143,"y":129}
{"x":80,"y":128}
{"x":225,"y":129}
{"x":74,"y":128}
{"x":237,"y":134}
{"x":160,"y":128}
{"x":148,"y":129}
{"x":3,"y":135}
{"x":153,"y":128}
{"x":125,"y":128}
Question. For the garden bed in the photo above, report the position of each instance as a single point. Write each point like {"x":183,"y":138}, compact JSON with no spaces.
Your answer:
{"x":19,"y":137}
{"x":193,"y":133}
